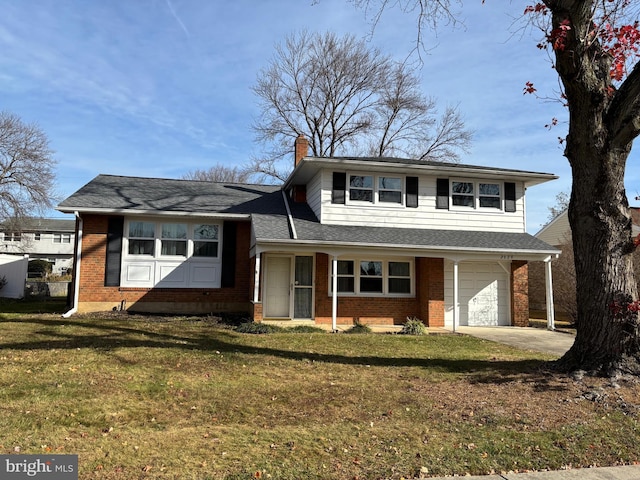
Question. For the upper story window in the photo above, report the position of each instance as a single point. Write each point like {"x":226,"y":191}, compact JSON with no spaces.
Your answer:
{"x":37,"y":236}
{"x":374,"y":189}
{"x":489,"y":195}
{"x":476,"y":194}
{"x":361,"y":188}
{"x":390,"y":190}
{"x":462,"y":194}
{"x":61,"y":238}
{"x":12,"y":237}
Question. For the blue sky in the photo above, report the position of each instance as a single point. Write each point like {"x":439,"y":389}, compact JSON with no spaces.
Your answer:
{"x":161,"y":87}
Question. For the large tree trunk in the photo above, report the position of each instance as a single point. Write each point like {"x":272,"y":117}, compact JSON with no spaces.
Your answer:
{"x":597,"y":148}
{"x":607,"y":339}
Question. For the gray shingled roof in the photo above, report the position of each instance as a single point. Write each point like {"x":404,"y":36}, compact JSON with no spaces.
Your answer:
{"x":40,"y":225}
{"x":116,"y":193}
{"x":265,"y":205}
{"x":308,"y":229}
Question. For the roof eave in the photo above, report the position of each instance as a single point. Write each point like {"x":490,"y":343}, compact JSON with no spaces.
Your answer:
{"x":139,"y":212}
{"x":454,"y":170}
{"x":408,"y":247}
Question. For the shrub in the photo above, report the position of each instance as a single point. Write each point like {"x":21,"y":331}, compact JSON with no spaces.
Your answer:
{"x":258,"y":328}
{"x":305,"y":329}
{"x":359,"y":328}
{"x":39,"y":268}
{"x":3,"y":282}
{"x":414,"y":326}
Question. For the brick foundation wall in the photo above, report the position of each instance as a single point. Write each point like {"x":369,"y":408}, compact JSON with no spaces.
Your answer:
{"x":519,"y":294}
{"x":94,"y":296}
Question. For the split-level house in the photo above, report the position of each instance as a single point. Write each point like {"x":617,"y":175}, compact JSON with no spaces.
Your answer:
{"x":49,"y":239}
{"x":343,"y":240}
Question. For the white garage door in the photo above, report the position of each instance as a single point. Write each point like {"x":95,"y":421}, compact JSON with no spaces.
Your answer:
{"x":484,"y":294}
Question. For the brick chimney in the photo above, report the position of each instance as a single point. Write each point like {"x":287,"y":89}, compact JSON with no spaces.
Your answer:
{"x":301,"y":149}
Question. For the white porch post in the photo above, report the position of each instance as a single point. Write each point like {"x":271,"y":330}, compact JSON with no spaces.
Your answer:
{"x":256,"y":279}
{"x":456,"y":296}
{"x":548,"y":280}
{"x":334,"y":291}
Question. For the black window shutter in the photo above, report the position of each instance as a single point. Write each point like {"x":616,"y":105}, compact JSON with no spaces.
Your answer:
{"x":339,"y":186}
{"x":115,"y":229}
{"x":509,"y":197}
{"x":229,"y":236}
{"x":442,"y":193}
{"x":412,"y":192}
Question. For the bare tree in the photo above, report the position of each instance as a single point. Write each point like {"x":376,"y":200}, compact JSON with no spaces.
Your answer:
{"x":349,"y":99}
{"x":219,"y":173}
{"x":595,"y":46}
{"x":26,"y":170}
{"x":561,"y":205}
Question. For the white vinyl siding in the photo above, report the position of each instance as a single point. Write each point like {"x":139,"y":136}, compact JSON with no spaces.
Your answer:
{"x":426,"y":215}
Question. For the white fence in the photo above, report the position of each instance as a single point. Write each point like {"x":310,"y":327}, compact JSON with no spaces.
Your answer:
{"x":13,"y":269}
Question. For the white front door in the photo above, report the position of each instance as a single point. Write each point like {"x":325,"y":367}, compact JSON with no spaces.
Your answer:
{"x":277,"y":287}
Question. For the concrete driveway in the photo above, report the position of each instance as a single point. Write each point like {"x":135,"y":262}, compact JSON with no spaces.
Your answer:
{"x":526,"y":338}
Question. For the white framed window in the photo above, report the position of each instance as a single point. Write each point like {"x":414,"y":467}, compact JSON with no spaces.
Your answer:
{"x":141,"y":238}
{"x":390,"y":190}
{"x":462,"y":194}
{"x":376,"y":189}
{"x":205,"y":240}
{"x":374,"y":277}
{"x":170,"y":239}
{"x":361,"y":188}
{"x":37,"y":236}
{"x":489,"y":195}
{"x":61,"y":238}
{"x":173,"y":239}
{"x":476,"y":194}
{"x":171,"y":254}
{"x":12,"y":237}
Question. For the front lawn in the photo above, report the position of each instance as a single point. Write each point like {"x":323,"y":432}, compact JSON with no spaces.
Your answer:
{"x":184,"y":398}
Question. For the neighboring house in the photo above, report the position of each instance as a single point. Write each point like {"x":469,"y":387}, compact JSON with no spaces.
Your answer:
{"x":344,"y":240}
{"x":47,"y":239}
{"x":558,"y":234}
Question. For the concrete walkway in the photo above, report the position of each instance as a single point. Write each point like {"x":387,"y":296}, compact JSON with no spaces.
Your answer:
{"x":526,"y":338}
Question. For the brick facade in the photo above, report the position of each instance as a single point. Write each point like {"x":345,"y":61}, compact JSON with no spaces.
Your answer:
{"x":94,"y":296}
{"x":519,"y":293}
{"x":427,"y":305}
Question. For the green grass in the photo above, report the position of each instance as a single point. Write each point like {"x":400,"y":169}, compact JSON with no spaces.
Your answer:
{"x":185,"y":399}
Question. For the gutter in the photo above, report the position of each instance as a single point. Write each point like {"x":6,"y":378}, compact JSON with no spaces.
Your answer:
{"x":76,"y":269}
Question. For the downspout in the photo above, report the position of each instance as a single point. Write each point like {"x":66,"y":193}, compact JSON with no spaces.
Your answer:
{"x":76,"y":269}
